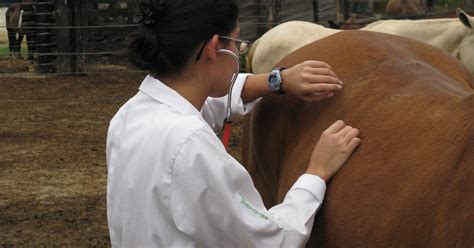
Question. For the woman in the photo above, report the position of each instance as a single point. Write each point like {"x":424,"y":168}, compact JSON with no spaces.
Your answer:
{"x":170,"y":181}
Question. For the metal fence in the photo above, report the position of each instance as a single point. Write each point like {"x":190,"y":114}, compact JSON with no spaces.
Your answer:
{"x":77,"y":37}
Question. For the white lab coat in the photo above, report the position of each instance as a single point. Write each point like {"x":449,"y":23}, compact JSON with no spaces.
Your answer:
{"x":171,"y":182}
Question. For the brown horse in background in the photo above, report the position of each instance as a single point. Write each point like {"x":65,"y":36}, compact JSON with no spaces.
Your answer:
{"x":20,"y":17}
{"x":15,"y":36}
{"x":408,"y":7}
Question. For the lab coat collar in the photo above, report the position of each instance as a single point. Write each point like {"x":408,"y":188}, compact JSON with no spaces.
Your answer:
{"x":164,"y":94}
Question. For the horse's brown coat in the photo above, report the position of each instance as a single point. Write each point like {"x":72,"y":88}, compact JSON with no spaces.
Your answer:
{"x":410,"y":183}
{"x":19,"y":24}
{"x":12,"y":20}
{"x":405,"y":7}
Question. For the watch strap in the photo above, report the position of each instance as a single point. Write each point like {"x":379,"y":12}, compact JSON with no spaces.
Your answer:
{"x":280,"y":91}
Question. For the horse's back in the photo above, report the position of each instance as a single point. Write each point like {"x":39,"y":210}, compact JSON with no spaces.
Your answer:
{"x":409,"y":183}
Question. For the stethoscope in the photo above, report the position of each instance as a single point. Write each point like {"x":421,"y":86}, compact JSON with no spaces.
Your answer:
{"x":227,"y":121}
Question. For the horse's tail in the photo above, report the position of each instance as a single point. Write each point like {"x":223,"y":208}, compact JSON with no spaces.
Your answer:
{"x":250,"y":56}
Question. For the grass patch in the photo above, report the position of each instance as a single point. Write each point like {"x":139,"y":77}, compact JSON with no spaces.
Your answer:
{"x":5,"y":52}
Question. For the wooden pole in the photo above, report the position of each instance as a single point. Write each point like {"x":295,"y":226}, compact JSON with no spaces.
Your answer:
{"x":76,"y":34}
{"x":340,"y":10}
{"x":316,"y":10}
{"x":44,"y":44}
{"x":64,"y":36}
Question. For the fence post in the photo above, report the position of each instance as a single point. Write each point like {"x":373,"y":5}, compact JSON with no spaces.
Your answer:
{"x":64,"y":63}
{"x":45,"y":43}
{"x":77,"y":37}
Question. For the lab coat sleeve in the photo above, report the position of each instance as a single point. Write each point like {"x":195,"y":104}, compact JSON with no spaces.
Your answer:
{"x":214,"y":109}
{"x":214,"y":202}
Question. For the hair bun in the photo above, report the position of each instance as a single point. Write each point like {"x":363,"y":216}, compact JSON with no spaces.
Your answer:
{"x":171,"y":31}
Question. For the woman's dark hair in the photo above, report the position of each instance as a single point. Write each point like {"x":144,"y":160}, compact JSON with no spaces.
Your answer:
{"x":172,"y":30}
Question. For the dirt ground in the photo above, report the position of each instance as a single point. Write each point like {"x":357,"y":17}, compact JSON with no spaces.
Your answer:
{"x":52,"y":164}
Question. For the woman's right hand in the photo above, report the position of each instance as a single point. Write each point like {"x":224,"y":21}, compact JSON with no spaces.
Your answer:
{"x":335,"y":146}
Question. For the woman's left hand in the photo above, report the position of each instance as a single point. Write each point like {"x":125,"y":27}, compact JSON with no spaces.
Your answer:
{"x":311,"y":81}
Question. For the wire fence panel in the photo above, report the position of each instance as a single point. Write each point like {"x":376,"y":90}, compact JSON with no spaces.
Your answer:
{"x":72,"y":37}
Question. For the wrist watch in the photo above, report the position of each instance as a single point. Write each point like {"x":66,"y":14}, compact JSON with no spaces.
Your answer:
{"x":275,"y":80}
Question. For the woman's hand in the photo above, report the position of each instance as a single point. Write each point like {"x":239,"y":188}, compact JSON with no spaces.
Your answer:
{"x":333,"y":149}
{"x":311,"y":81}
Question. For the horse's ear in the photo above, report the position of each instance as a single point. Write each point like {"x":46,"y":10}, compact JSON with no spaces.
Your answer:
{"x":465,"y":18}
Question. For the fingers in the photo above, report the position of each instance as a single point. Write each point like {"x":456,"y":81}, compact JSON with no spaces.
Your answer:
{"x":318,"y":96}
{"x":322,"y":71}
{"x":354,"y":143}
{"x":351,"y":134}
{"x":319,"y":88}
{"x":335,"y":127}
{"x":317,"y":64}
{"x":347,"y":133}
{"x":319,"y":68}
{"x":323,"y":79}
{"x":312,"y":81}
{"x":344,"y":131}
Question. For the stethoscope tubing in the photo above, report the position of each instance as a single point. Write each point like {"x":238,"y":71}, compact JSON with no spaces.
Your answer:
{"x":234,"y":77}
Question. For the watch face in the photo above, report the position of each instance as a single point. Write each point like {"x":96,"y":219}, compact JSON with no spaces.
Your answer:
{"x":274,"y":81}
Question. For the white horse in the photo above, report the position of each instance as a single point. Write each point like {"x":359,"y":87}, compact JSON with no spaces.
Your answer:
{"x":454,"y":35}
{"x":281,"y":40}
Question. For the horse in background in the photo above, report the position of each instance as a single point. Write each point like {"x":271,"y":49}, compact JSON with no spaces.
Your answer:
{"x":15,"y":36}
{"x":408,"y":7}
{"x":20,"y":17}
{"x":362,"y":23}
{"x":454,"y":35}
{"x":280,"y":41}
{"x":395,"y":9}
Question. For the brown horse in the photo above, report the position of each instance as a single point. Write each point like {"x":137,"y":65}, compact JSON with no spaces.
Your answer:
{"x":408,"y":7}
{"x":410,"y":183}
{"x":20,"y":17}
{"x":15,"y":36}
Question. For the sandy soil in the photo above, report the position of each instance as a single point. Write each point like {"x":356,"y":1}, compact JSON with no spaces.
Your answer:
{"x":52,"y":163}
